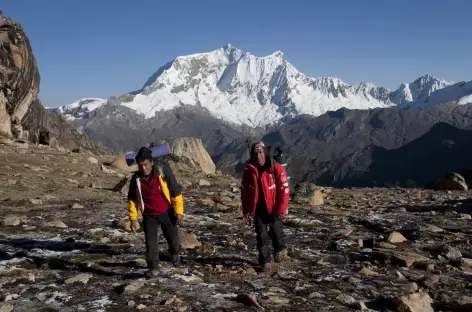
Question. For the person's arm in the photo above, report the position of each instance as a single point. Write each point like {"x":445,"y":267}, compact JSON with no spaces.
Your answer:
{"x":132,"y":199}
{"x":175,"y":191}
{"x":283,"y":190}
{"x":247,"y":191}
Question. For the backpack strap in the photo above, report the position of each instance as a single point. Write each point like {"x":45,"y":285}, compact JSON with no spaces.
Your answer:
{"x":161,"y":171}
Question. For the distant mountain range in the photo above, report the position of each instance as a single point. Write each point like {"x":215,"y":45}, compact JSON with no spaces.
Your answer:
{"x":227,"y":95}
{"x":242,"y":89}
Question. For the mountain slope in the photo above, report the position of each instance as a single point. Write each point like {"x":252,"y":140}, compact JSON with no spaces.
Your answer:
{"x":122,"y":129}
{"x":316,"y":145}
{"x":443,"y":149}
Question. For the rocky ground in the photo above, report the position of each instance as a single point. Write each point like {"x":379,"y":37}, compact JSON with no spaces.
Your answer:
{"x":65,"y":245}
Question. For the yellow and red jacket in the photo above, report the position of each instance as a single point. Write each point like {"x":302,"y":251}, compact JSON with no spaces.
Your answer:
{"x":171,"y":190}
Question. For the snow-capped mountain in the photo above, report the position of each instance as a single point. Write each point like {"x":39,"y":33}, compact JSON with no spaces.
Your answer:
{"x":241,"y":88}
{"x":244,"y":89}
{"x":79,"y":109}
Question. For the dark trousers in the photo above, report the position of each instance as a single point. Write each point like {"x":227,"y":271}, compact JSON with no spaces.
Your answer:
{"x":268,"y":227}
{"x":167,"y":221}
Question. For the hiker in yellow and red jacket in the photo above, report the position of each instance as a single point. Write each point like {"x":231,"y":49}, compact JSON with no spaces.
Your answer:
{"x":155,"y":192}
{"x":265,"y":194}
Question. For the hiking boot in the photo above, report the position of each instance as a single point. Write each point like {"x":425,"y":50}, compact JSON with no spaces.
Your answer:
{"x":152,"y":273}
{"x":176,"y":261}
{"x":264,"y":267}
{"x":280,"y":255}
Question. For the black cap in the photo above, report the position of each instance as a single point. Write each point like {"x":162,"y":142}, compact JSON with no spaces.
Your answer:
{"x":144,"y":153}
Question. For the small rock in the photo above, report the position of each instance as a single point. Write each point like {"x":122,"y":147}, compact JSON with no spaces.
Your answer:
{"x":131,"y":304}
{"x":343,"y":232}
{"x":465,"y":262}
{"x":354,"y":280}
{"x":106,"y":170}
{"x":92,"y":160}
{"x":5,"y":307}
{"x":387,"y":245}
{"x":125,"y":224}
{"x":49,"y":197}
{"x":189,"y":240}
{"x":36,"y":201}
{"x":56,"y":224}
{"x":132,"y":287}
{"x":417,"y":302}
{"x":80,"y":278}
{"x":345,"y":299}
{"x":76,"y":206}
{"x":11,"y":221}
{"x":465,"y":216}
{"x":407,"y":259}
{"x":95,"y":185}
{"x":203,"y":182}
{"x":367,"y":272}
{"x":316,"y":295}
{"x":359,"y":305}
{"x":248,"y":300}
{"x":411,"y":288}
{"x":205,"y":202}
{"x":141,"y":307}
{"x":140,"y":262}
{"x":104,"y":240}
{"x":432,"y":228}
{"x":452,"y":253}
{"x":217,"y":207}
{"x":316,"y":198}
{"x":278,"y":300}
{"x":31,"y":278}
{"x":396,"y":237}
{"x":11,"y":297}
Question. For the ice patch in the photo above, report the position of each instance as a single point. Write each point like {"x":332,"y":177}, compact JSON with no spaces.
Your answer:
{"x":186,"y":278}
{"x":100,"y":304}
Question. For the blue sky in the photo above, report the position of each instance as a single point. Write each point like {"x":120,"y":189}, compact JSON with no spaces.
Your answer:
{"x":102,"y":48}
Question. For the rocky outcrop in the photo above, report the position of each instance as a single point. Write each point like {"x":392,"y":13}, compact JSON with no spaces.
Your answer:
{"x":70,"y":138}
{"x":19,"y":80}
{"x":193,"y":149}
{"x":452,"y":181}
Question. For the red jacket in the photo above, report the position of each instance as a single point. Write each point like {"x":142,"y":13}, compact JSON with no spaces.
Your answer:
{"x":276,"y":192}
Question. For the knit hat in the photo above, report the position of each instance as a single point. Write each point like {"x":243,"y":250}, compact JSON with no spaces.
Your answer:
{"x":144,"y":153}
{"x":257,"y":146}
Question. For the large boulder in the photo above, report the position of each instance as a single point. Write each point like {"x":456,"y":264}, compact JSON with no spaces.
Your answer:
{"x":452,"y":181}
{"x":19,"y":81}
{"x":194,"y":151}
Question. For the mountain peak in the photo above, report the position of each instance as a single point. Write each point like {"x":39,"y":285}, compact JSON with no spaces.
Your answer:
{"x":427,"y":78}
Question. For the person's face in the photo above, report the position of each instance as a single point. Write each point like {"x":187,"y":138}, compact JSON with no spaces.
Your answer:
{"x":145,"y":167}
{"x":259,"y":156}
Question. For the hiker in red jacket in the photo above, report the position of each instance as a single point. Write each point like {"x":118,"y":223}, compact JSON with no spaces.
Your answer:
{"x":264,"y":196}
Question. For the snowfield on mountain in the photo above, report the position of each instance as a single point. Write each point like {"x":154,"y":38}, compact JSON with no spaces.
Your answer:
{"x":243,"y":89}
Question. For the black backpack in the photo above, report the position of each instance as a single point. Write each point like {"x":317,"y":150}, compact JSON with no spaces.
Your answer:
{"x":279,"y":157}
